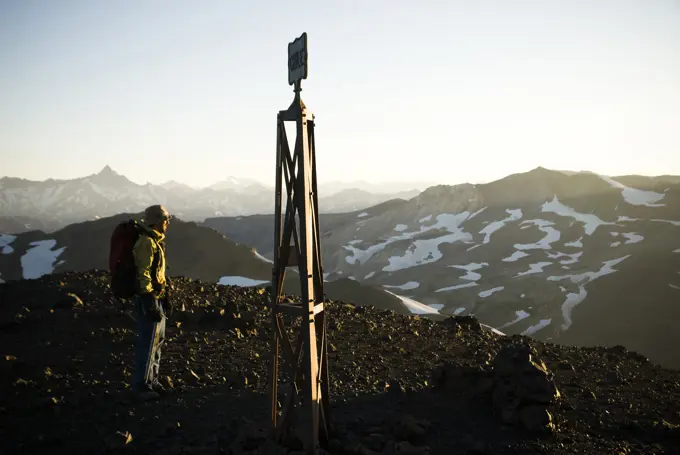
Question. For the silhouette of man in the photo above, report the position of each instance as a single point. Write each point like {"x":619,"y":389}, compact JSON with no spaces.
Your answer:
{"x":151,"y":304}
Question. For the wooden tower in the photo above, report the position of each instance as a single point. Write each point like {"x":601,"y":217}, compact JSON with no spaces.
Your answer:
{"x":305,"y":405}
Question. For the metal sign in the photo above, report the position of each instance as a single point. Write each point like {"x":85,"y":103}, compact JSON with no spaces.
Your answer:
{"x":297,"y":59}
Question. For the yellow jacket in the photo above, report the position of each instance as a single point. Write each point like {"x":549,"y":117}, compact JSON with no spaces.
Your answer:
{"x":145,"y":249}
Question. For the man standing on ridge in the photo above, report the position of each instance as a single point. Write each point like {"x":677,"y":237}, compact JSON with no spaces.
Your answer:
{"x":151,"y":303}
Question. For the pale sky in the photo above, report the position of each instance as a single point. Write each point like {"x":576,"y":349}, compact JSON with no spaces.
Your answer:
{"x":449,"y":91}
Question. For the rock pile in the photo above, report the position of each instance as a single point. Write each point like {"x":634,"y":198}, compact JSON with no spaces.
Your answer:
{"x":523,"y":388}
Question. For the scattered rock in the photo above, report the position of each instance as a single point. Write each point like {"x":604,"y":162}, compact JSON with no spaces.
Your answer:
{"x":118,"y":440}
{"x":70,"y":300}
{"x":524,"y":389}
{"x":66,"y":381}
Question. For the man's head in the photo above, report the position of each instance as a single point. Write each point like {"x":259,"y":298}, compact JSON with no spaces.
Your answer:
{"x":157,"y":217}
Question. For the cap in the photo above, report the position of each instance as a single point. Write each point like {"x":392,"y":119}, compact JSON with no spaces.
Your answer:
{"x":156,"y":214}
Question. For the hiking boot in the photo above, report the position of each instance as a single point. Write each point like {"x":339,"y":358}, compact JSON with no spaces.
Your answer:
{"x":160,"y":388}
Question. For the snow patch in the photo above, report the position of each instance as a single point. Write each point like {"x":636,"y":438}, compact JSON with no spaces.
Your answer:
{"x":590,"y":221}
{"x":576,"y":243}
{"x":626,"y":218}
{"x":582,"y":279}
{"x":362,"y":214}
{"x":400,"y":227}
{"x":551,"y":235}
{"x":458,"y":286}
{"x":676,"y":251}
{"x":369,"y":275}
{"x":425,"y":251}
{"x":515,"y":256}
{"x":477,"y":213}
{"x":674,"y":286}
{"x":534,"y":268}
{"x":543,"y":323}
{"x":405,"y":286}
{"x":40,"y":259}
{"x":5,"y":241}
{"x":634,"y":196}
{"x":425,"y":218}
{"x":354,"y":242}
{"x":632,"y":237}
{"x":491,"y":329}
{"x":240,"y":281}
{"x":262,"y":258}
{"x":471,"y":275}
{"x":570,"y":303}
{"x":414,"y":306}
{"x":514,"y":215}
{"x":421,"y":251}
{"x":489,"y":292}
{"x":521,"y":314}
{"x":573,"y":258}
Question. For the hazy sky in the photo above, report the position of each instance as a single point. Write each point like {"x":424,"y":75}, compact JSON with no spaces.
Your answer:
{"x":448,"y":91}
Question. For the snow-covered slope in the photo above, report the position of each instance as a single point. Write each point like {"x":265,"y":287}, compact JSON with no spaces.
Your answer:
{"x":575,"y":258}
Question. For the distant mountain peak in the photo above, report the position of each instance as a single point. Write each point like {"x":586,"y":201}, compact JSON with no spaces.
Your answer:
{"x":108,"y":177}
{"x":542,"y":170}
{"x":107,"y":170}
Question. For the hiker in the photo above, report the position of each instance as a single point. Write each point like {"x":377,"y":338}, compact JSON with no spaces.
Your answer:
{"x":150,"y":300}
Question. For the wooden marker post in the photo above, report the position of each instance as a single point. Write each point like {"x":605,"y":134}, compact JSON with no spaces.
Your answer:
{"x":296,"y":243}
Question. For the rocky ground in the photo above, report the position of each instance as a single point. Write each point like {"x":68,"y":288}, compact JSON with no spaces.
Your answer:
{"x":399,"y":384}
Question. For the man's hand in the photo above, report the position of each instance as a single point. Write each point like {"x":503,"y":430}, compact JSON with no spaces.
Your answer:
{"x":168,"y":306}
{"x":150,"y":307}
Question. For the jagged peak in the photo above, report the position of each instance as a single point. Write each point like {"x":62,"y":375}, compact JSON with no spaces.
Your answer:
{"x":439,"y":190}
{"x":107,"y":170}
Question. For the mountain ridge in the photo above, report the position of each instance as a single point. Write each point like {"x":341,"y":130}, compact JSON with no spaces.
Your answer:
{"x":61,"y":202}
{"x":527,"y":254}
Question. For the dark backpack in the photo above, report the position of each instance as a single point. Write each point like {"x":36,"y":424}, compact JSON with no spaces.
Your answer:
{"x":121,"y":260}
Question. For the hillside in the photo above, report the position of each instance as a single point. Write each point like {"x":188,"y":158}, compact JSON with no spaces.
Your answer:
{"x":19,"y":224}
{"x":258,"y":230}
{"x":573,"y":258}
{"x":193,"y":251}
{"x":57,"y":203}
{"x":399,"y":384}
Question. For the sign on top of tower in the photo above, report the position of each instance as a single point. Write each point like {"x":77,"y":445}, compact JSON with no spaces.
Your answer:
{"x":297,"y":59}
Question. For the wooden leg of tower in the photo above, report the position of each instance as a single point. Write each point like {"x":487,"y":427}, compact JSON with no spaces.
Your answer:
{"x":321,"y":320}
{"x":309,"y":295}
{"x":274,"y":365}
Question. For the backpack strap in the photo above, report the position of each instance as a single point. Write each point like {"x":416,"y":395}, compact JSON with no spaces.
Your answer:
{"x":156,"y":258}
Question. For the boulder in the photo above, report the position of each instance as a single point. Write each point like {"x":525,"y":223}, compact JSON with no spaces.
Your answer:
{"x":523,"y":388}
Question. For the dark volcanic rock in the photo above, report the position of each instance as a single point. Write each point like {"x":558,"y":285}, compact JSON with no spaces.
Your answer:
{"x":523,"y":388}
{"x":399,"y":384}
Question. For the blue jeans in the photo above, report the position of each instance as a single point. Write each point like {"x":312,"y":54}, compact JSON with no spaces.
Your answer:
{"x":147,"y":359}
